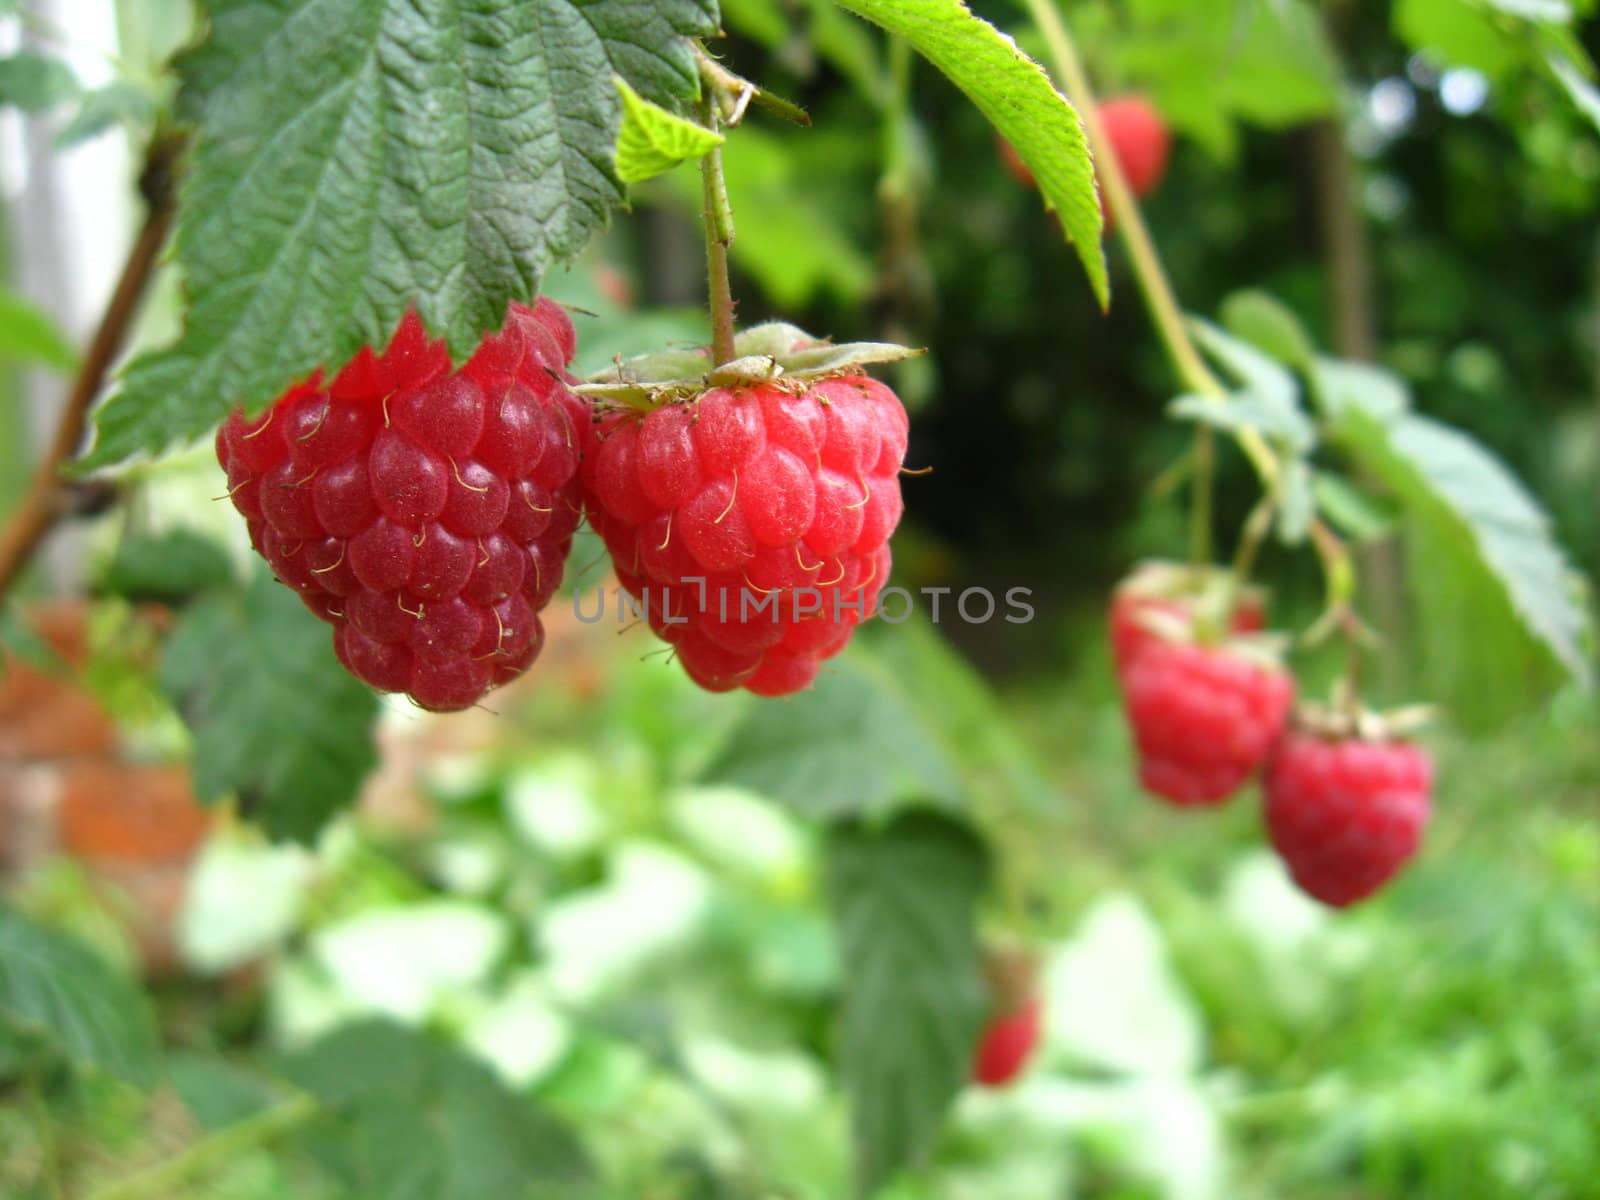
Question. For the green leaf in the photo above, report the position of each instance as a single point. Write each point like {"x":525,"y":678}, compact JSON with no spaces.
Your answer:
{"x":852,"y":743}
{"x":1259,"y":374}
{"x":1247,"y":410}
{"x":19,"y":638}
{"x":967,"y":717}
{"x":1578,"y":86}
{"x":55,"y":991}
{"x":33,"y":82}
{"x":653,"y":140}
{"x":1501,"y":623}
{"x":104,"y":108}
{"x":1016,"y":95}
{"x":275,"y":718}
{"x":418,"y":1120}
{"x":904,"y":899}
{"x":1263,"y":320}
{"x":29,"y":334}
{"x":1459,"y":34}
{"x":217,"y":1092}
{"x":1353,"y":512}
{"x":1207,"y":66}
{"x":174,"y":565}
{"x":359,"y":157}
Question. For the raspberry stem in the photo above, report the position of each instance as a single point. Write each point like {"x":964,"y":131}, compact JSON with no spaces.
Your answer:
{"x":48,"y":496}
{"x":719,"y":235}
{"x":1337,"y":568}
{"x":739,"y":93}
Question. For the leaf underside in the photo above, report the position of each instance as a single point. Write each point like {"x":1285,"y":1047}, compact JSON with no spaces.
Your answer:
{"x":275,"y":718}
{"x":1501,"y":622}
{"x":904,"y":899}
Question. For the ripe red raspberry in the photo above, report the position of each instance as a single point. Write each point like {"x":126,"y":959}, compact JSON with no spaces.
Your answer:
{"x":1006,"y":1044}
{"x":426,"y":515}
{"x":1167,"y":598}
{"x":752,"y":522}
{"x":1140,"y":140}
{"x":1203,"y":717}
{"x":1346,"y":813}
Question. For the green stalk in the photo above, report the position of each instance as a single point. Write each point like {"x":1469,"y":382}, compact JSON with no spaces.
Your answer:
{"x":164,"y":1179}
{"x":719,"y":235}
{"x":1162,"y":303}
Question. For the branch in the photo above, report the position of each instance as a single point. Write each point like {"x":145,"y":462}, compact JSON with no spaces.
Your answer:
{"x":48,"y":496}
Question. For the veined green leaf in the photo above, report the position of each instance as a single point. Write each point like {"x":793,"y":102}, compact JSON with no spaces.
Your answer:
{"x":57,"y":992}
{"x":904,"y":898}
{"x":420,"y":1120}
{"x":357,"y":158}
{"x":1501,"y":619}
{"x":852,"y":743}
{"x":653,"y":140}
{"x":275,"y":718}
{"x":1016,"y":95}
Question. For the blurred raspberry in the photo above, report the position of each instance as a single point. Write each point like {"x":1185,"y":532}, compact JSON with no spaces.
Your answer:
{"x":1203,"y":717}
{"x":1168,"y":597}
{"x":1140,"y":140}
{"x":1006,"y":1044}
{"x":1346,"y":813}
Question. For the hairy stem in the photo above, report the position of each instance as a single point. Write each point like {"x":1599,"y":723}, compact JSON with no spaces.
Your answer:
{"x":719,"y":235}
{"x":44,"y":502}
{"x":213,"y":1151}
{"x":740,"y":92}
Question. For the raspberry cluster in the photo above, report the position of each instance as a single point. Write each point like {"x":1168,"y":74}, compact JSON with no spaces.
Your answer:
{"x":1346,"y":798}
{"x":751,"y":523}
{"x":425,"y":514}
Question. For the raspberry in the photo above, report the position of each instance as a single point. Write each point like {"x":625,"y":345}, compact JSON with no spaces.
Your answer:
{"x":1346,"y":813}
{"x":1203,"y":717}
{"x":426,"y":515}
{"x":752,"y":522}
{"x":1140,"y":140}
{"x":1168,"y":597}
{"x":1006,"y":1044}
{"x":1138,"y":136}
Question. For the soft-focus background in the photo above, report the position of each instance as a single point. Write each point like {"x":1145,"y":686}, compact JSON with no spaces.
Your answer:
{"x":547,"y":885}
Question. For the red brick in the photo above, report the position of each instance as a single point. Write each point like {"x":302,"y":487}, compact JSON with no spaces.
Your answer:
{"x":45,"y":716}
{"x":129,"y":812}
